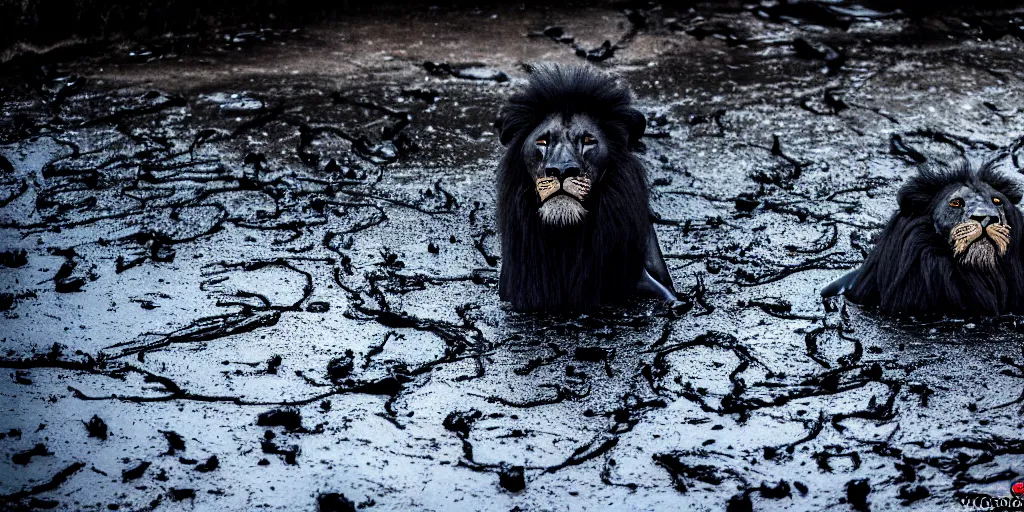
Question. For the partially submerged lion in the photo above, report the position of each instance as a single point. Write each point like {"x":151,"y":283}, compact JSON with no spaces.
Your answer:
{"x":573,"y":206}
{"x":953,"y":248}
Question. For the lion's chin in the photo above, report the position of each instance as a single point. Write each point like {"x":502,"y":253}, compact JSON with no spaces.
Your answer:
{"x":562,"y":211}
{"x":980,"y":255}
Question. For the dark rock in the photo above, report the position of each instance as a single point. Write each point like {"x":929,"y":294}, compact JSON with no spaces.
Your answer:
{"x":211,"y":464}
{"x":461,"y":422}
{"x":23,"y":458}
{"x":512,"y":478}
{"x":318,"y":307}
{"x":14,"y":259}
{"x":44,"y":504}
{"x":556,"y":34}
{"x":268,"y":446}
{"x":5,"y":166}
{"x":174,"y":442}
{"x":339,"y":368}
{"x":746,"y":203}
{"x":257,"y":160}
{"x":69,"y":284}
{"x":591,"y":354}
{"x":800,"y":486}
{"x":389,"y":386}
{"x":601,"y":53}
{"x":135,"y":473}
{"x":857,"y":492}
{"x":332,"y":167}
{"x":739,"y":503}
{"x":776,"y":492}
{"x":426,"y":95}
{"x":334,"y":502}
{"x":682,"y":473}
{"x":911,"y":494}
{"x":833,"y":58}
{"x":288,"y":418}
{"x":96,"y":428}
{"x":181,"y":494}
{"x":273,"y":364}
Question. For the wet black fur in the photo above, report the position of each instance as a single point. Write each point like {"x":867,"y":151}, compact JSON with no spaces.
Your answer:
{"x":600,"y":260}
{"x":911,"y":269}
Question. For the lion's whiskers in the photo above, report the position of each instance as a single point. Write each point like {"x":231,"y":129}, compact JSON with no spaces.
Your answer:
{"x":577,"y":187}
{"x":967,"y":246}
{"x":546,"y":187}
{"x":1000,"y":235}
{"x":963,"y":235}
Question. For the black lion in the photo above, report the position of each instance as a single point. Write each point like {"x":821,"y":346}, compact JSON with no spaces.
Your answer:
{"x":573,"y":206}
{"x":953,"y":248}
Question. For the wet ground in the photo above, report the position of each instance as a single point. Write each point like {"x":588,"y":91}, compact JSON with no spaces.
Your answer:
{"x":257,"y":270}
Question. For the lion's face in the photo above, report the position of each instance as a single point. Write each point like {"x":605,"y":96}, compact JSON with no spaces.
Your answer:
{"x":563,"y":157}
{"x":973,"y":219}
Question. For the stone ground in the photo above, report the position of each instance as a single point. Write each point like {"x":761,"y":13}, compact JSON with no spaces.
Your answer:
{"x":257,"y":270}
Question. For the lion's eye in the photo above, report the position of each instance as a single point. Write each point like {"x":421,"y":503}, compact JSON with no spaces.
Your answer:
{"x":589,"y":141}
{"x":957,"y":203}
{"x":542,"y":141}
{"x":997,"y":201}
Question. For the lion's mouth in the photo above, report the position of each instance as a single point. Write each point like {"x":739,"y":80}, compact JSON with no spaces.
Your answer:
{"x":576,"y":186}
{"x":978,"y":246}
{"x":562,"y":201}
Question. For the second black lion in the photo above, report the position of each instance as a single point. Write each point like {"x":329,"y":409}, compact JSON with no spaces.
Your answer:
{"x":953,"y":248}
{"x":573,"y":206}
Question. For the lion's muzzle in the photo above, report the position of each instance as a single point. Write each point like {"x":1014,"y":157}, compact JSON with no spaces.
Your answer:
{"x":576,"y":186}
{"x":563,"y":209}
{"x":971,"y":246}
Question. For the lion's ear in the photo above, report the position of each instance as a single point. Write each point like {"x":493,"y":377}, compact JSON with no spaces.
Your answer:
{"x":636,"y":124}
{"x":504,"y":133}
{"x":1014,"y":194}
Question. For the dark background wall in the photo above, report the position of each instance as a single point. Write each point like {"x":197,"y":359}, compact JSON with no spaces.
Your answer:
{"x":44,"y":22}
{"x":48,"y":21}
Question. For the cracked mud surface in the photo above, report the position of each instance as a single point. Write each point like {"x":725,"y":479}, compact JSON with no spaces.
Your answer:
{"x":260,"y":272}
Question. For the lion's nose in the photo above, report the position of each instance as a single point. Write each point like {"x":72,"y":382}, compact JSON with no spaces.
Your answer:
{"x":985,"y":220}
{"x":562,"y":172}
{"x":570,"y":172}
